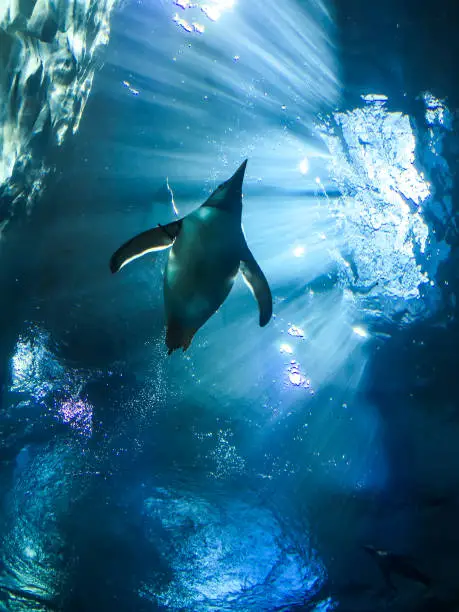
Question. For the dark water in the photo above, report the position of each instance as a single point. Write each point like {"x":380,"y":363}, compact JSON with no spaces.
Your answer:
{"x":213,"y":480}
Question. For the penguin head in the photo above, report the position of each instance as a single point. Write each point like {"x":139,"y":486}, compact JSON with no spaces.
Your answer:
{"x":228,"y":195}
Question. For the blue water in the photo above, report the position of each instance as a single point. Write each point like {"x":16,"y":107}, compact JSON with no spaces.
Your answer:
{"x":247,"y":473}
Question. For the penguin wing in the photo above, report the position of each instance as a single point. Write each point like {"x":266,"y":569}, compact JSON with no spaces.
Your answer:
{"x":405,"y":567}
{"x":258,"y":284}
{"x":155,"y":239}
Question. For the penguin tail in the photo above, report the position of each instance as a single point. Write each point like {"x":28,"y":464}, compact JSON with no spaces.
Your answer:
{"x":178,"y":336}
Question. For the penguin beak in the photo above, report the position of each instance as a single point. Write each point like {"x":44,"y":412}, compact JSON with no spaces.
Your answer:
{"x":235,"y":182}
{"x":228,"y":196}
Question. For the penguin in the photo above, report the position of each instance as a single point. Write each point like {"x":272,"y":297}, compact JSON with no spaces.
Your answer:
{"x":208,"y":250}
{"x":392,"y":563}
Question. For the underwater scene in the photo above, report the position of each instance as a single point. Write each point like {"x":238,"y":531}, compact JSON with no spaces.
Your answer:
{"x":229,"y":271}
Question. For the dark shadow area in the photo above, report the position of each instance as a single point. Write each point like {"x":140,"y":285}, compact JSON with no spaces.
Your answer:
{"x":397,"y":47}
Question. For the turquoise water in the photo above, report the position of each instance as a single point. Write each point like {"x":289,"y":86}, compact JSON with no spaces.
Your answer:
{"x":248,"y":472}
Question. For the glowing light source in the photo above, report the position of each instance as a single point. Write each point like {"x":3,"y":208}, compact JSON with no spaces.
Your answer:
{"x":360,"y":331}
{"x":299,"y":251}
{"x":384,"y":231}
{"x":374,"y":98}
{"x":214,"y":10}
{"x":286,"y":348}
{"x":304,"y":166}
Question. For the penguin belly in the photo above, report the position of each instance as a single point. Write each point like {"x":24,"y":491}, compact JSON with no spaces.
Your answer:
{"x":200,"y":273}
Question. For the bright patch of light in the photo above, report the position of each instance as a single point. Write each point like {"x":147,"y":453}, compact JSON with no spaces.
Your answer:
{"x":304,"y":166}
{"x":295,"y":331}
{"x":183,"y":23}
{"x":76,"y":43}
{"x":299,"y":251}
{"x":216,"y":7}
{"x":286,"y":348}
{"x":360,"y":331}
{"x":212,"y":12}
{"x":379,"y":216}
{"x":171,"y":193}
{"x":198,"y":27}
{"x":374,"y":98}
{"x":212,"y":9}
{"x":33,"y":367}
{"x":282,"y":57}
{"x":22,"y":363}
{"x":135,"y":92}
{"x":77,"y":414}
{"x":30,"y":553}
{"x":296,"y":376}
{"x":233,"y":550}
{"x":326,"y":606}
{"x":436,"y":111}
{"x":38,"y":374}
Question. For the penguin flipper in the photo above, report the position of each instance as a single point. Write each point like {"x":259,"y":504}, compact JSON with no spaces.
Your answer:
{"x":258,"y":284}
{"x":155,"y":239}
{"x":405,"y":567}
